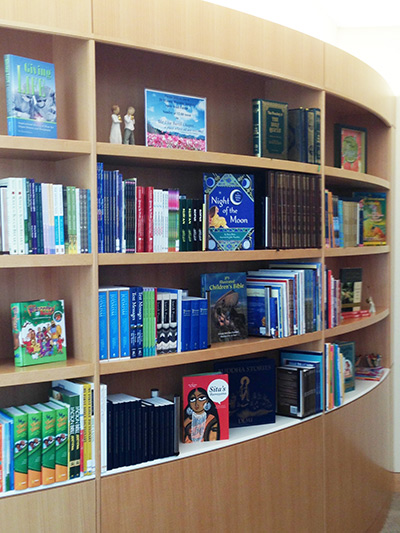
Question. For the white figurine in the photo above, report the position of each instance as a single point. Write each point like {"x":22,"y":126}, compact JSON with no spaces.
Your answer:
{"x":115,"y":133}
{"x":129,"y":120}
{"x":372,"y":309}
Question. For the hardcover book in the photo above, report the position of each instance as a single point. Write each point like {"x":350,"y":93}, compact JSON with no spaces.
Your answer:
{"x":31,"y":97}
{"x":296,"y":395}
{"x":270,"y":129}
{"x":374,"y":217}
{"x":251,"y":391}
{"x":175,"y":121}
{"x":351,"y":288}
{"x":228,"y":305}
{"x":205,"y":407}
{"x":38,"y":329}
{"x":230,"y":210}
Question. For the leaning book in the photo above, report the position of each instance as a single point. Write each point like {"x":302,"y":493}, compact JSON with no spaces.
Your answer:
{"x":229,"y":200}
{"x":205,"y":407}
{"x":175,"y":121}
{"x":31,"y":97}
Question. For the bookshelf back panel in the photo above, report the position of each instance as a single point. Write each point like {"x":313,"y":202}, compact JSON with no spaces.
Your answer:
{"x":122,"y":74}
{"x":73,"y":78}
{"x":74,"y":285}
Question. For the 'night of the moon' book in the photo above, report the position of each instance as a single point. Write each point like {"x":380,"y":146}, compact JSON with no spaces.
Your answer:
{"x":229,"y":200}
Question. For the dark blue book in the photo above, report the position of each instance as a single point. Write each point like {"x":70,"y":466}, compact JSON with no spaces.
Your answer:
{"x":39,"y":218}
{"x":185,"y":325}
{"x":100,"y":206}
{"x":203,"y":324}
{"x":297,"y":142}
{"x":228,"y":305}
{"x":252,"y":391}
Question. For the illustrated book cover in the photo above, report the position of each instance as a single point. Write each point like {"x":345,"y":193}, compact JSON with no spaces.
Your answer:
{"x":229,"y":200}
{"x":252,"y":391}
{"x":38,"y":329}
{"x":205,"y":407}
{"x":348,"y":349}
{"x":351,"y":289}
{"x":175,"y":121}
{"x":31,"y":97}
{"x":374,"y":217}
{"x":228,"y":305}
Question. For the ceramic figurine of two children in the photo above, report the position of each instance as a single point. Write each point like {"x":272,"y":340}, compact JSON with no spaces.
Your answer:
{"x":129,"y":126}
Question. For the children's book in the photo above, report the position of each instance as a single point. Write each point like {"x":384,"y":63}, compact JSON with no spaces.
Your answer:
{"x":251,"y":391}
{"x":374,"y":217}
{"x":228,"y":305}
{"x":229,"y":200}
{"x":205,"y":407}
{"x":31,"y":97}
{"x":175,"y":121}
{"x":38,"y":328}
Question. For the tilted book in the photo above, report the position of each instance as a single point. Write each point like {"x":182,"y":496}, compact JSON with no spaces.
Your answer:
{"x":229,"y":202}
{"x":31,"y":97}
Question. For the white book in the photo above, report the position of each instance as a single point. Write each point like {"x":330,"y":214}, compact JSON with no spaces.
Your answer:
{"x":45,"y":218}
{"x":165,"y":221}
{"x":4,"y":220}
{"x":52,"y":238}
{"x":103,"y":427}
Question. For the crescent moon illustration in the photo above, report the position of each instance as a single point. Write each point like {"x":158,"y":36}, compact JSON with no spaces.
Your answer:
{"x":232,"y":197}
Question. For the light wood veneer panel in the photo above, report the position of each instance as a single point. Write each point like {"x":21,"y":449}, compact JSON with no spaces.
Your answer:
{"x":62,"y":509}
{"x":357,"y":443}
{"x":349,"y":77}
{"x":266,"y":484}
{"x":205,"y":31}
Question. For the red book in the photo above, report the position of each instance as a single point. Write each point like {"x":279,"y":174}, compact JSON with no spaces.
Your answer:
{"x":205,"y":407}
{"x":140,"y":218}
{"x":148,"y":219}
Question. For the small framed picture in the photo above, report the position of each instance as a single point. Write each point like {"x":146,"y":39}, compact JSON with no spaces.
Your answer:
{"x":350,"y":146}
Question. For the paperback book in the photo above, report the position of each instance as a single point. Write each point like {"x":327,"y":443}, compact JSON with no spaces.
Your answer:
{"x":205,"y":407}
{"x":228,"y":305}
{"x":31,"y":97}
{"x":229,"y":200}
{"x":175,"y":121}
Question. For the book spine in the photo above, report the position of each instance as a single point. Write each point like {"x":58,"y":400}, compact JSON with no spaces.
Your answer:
{"x":124,"y":322}
{"x":100,"y":207}
{"x":257,"y":128}
{"x":78,"y":220}
{"x":133,"y":321}
{"x":140,"y":210}
{"x":103,"y":325}
{"x":149,"y":219}
{"x":113,"y":323}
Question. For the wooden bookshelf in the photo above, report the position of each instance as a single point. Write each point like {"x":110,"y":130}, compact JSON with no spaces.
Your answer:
{"x":106,"y":53}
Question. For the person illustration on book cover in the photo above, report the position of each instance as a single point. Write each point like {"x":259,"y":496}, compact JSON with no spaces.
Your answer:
{"x":214,"y":219}
{"x":201,"y":422}
{"x":129,"y":122}
{"x":115,"y":132}
{"x":225,"y":316}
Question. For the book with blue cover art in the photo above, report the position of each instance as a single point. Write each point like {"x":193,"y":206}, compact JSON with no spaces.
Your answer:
{"x":252,"y":384}
{"x":228,"y":305}
{"x":31,"y":97}
{"x":229,"y":202}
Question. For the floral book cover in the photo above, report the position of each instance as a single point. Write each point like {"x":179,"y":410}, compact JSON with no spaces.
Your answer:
{"x":175,"y":121}
{"x":205,"y":407}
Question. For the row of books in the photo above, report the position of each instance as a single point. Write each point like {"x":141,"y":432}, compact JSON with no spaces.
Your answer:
{"x":356,"y":221}
{"x":284,"y":299}
{"x":339,"y":372}
{"x":146,"y":321}
{"x":43,"y":218}
{"x":135,"y":430}
{"x":283,"y":133}
{"x":288,"y":212}
{"x":49,"y":442}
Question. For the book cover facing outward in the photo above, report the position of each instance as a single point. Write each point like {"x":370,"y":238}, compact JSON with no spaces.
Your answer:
{"x":230,"y":210}
{"x":31,"y":97}
{"x":205,"y":407}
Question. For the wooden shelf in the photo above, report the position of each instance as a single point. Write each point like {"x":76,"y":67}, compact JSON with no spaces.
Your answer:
{"x":41,"y":260}
{"x":165,"y":157}
{"x":42,"y":149}
{"x":353,"y":324}
{"x":223,"y":350}
{"x":356,"y":251}
{"x":206,"y":257}
{"x":71,"y":368}
{"x":349,"y":178}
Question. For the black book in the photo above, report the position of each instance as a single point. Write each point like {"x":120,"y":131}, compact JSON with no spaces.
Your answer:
{"x":296,"y":391}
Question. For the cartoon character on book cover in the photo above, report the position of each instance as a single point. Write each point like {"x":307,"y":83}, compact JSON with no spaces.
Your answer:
{"x":228,"y":303}
{"x":229,"y":202}
{"x":206,"y":411}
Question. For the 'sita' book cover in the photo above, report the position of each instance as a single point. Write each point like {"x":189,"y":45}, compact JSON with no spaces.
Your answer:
{"x":38,"y":329}
{"x":31,"y":97}
{"x":227,"y":295}
{"x":205,"y":407}
{"x":252,"y":391}
{"x":229,"y":200}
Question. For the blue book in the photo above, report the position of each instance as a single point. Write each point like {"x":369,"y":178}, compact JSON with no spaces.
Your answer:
{"x":31,"y":97}
{"x":124,"y":321}
{"x":89,"y":221}
{"x":258,"y":310}
{"x":203,"y":323}
{"x":113,"y":322}
{"x":229,"y":200}
{"x":194,"y":321}
{"x":8,"y":457}
{"x":228,"y":304}
{"x":103,"y":324}
{"x":186,"y":324}
{"x":308,"y":358}
{"x":100,"y":207}
{"x":252,"y":391}
{"x":136,"y":321}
